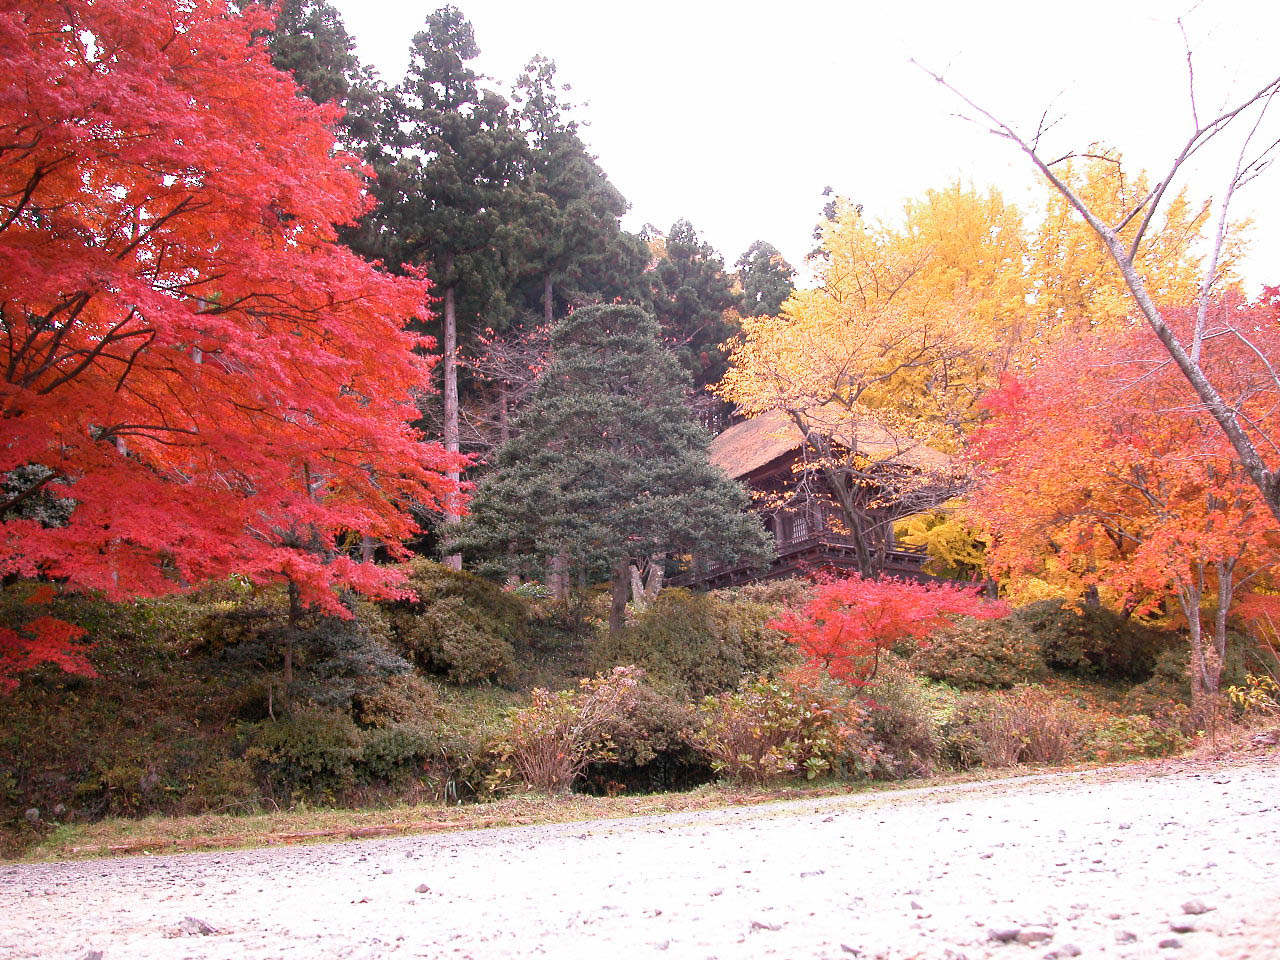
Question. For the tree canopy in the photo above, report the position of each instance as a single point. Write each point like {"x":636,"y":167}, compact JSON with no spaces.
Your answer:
{"x":607,"y":467}
{"x":198,"y":379}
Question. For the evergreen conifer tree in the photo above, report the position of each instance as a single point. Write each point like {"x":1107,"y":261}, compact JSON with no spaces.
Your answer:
{"x":690,"y":296}
{"x":767,"y":280}
{"x":607,"y":467}
{"x":450,"y":191}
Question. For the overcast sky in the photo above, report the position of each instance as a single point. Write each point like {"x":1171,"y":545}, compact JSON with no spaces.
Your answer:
{"x":736,"y":115}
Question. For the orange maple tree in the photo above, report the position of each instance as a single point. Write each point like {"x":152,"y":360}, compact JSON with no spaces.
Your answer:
{"x":195,"y":378}
{"x":1106,"y":477}
{"x":848,"y":624}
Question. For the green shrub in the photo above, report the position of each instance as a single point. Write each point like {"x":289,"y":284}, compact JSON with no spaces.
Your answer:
{"x":460,"y":626}
{"x":693,"y":645}
{"x":1023,"y":725}
{"x":981,"y":653}
{"x":770,"y":729}
{"x":405,"y":698}
{"x":1093,"y":641}
{"x":396,"y":753}
{"x":1126,"y":738}
{"x":313,"y":752}
{"x":902,"y":716}
{"x":790,"y":592}
{"x":651,"y":748}
{"x":1169,"y":685}
{"x":222,"y":785}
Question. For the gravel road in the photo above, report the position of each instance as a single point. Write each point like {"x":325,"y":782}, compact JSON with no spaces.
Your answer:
{"x":1096,"y":864}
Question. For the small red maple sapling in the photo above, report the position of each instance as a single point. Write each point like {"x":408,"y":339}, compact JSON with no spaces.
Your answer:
{"x":849,"y":623}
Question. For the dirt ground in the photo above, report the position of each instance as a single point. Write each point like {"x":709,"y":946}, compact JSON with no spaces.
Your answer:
{"x":1178,"y":860}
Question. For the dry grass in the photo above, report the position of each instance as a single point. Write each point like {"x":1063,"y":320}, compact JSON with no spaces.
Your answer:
{"x":163,"y":835}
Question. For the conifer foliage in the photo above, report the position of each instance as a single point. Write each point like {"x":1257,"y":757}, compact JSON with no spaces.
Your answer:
{"x":607,"y":467}
{"x":195,"y":378}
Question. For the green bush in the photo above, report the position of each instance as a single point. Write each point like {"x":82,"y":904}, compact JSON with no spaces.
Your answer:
{"x":1169,"y":685}
{"x":312,"y":753}
{"x":981,"y":653}
{"x":549,"y":743}
{"x":396,"y":753}
{"x":1092,"y":640}
{"x":651,"y":748}
{"x":692,"y":645}
{"x":770,"y":729}
{"x":460,"y":626}
{"x":1127,"y":738}
{"x":405,"y":698}
{"x":902,"y":716}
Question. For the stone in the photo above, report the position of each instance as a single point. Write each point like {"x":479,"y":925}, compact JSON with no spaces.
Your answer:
{"x":193,"y":927}
{"x":852,"y":951}
{"x":1172,"y":943}
{"x":1126,"y":936}
{"x":32,"y":815}
{"x":1003,"y":934}
{"x":916,"y":905}
{"x":1195,"y":907}
{"x":92,"y":955}
{"x":1034,"y":935}
{"x":1182,"y":926}
{"x":761,"y":925}
{"x":1064,"y":951}
{"x":422,"y":888}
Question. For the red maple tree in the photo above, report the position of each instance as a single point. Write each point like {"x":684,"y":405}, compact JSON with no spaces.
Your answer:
{"x":196,"y":379}
{"x":848,"y":624}
{"x":1106,"y":476}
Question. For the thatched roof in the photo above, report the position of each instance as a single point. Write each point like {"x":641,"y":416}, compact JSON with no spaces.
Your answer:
{"x":752,"y":444}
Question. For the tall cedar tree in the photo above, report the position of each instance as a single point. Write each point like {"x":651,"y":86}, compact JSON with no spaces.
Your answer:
{"x":309,"y":41}
{"x":447,"y":199}
{"x":690,"y":296}
{"x":607,"y":467}
{"x":767,"y":280}
{"x":581,"y":254}
{"x":196,"y":378}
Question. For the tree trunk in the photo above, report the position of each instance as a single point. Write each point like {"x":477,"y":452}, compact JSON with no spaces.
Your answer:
{"x":504,"y":420}
{"x":644,"y":593}
{"x":548,"y":300}
{"x":450,"y":364}
{"x":619,"y":586}
{"x":295,"y":617}
{"x":367,"y":547}
{"x":559,"y":577}
{"x":1189,"y":596}
{"x":1217,"y":654}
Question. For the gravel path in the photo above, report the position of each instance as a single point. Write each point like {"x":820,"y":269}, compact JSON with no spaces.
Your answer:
{"x":1098,"y":864}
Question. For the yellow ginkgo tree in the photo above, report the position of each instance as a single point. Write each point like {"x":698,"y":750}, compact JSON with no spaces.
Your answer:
{"x":880,"y":366}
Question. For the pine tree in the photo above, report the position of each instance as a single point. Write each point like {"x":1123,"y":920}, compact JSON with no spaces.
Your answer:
{"x":767,"y":280}
{"x":607,"y":468}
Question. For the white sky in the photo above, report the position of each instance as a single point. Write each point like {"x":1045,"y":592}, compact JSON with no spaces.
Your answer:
{"x":735,"y":115}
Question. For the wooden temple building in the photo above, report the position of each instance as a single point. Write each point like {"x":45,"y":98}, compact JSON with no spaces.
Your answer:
{"x":765,"y":454}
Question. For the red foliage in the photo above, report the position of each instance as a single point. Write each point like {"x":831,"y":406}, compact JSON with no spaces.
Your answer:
{"x":1102,"y":470}
{"x":848,"y":624}
{"x":211,"y":382}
